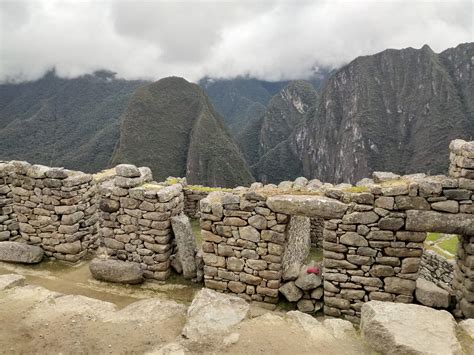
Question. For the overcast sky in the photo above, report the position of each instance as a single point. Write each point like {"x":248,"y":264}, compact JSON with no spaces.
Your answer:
{"x":270,"y":40}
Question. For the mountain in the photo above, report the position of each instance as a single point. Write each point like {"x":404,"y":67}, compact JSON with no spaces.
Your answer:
{"x":240,"y":99}
{"x":260,"y":140}
{"x":393,"y":111}
{"x":63,"y":122}
{"x":172,"y":127}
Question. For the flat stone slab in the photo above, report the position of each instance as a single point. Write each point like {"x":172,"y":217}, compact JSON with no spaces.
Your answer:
{"x":398,"y":328}
{"x":15,"y":252}
{"x":212,"y":313}
{"x":430,"y":221}
{"x":10,"y":281}
{"x":186,"y":243}
{"x":116,"y":271}
{"x":307,"y":205}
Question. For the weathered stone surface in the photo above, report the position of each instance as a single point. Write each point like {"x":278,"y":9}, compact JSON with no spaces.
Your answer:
{"x":426,"y":221}
{"x":360,"y":218}
{"x":411,"y":203}
{"x":258,"y":222}
{"x":213,"y":313}
{"x":291,"y":292}
{"x":310,"y":206}
{"x":249,"y":233}
{"x":186,"y":244}
{"x":305,"y":306}
{"x":340,"y":328}
{"x":307,"y":281}
{"x":399,"y":286}
{"x":11,"y":280}
{"x":297,"y":246}
{"x":428,"y":294}
{"x":467,"y":326}
{"x":396,"y":328}
{"x":20,"y":253}
{"x":127,"y":170}
{"x":382,"y":176}
{"x":446,"y":206}
{"x":69,"y":248}
{"x":354,"y":239}
{"x":116,"y":271}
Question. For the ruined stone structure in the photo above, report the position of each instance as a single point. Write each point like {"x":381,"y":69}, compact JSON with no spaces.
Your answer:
{"x":437,"y":269}
{"x":192,"y":196}
{"x":372,"y":233}
{"x":49,"y":207}
{"x":373,"y":236}
{"x":135,"y":219}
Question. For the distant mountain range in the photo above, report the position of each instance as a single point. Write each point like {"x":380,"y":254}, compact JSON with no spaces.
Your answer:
{"x":396,"y":110}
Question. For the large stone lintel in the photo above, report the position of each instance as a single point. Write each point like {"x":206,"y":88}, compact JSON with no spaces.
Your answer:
{"x":431,"y":221}
{"x":307,"y":205}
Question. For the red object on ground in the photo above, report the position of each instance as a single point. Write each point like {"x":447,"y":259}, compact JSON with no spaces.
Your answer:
{"x":313,"y":270}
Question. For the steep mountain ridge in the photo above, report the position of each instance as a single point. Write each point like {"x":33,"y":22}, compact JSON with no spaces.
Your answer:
{"x":63,"y":122}
{"x":396,"y":110}
{"x":260,"y":141}
{"x":171,"y":126}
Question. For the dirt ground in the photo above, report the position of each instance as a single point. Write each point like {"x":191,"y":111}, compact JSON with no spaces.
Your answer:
{"x":61,"y":310}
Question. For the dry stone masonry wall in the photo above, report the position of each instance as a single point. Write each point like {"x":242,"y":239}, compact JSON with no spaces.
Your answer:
{"x":192,"y":196}
{"x":136,"y":219}
{"x":437,"y":269}
{"x":373,"y":235}
{"x":53,"y":208}
{"x":243,"y":244}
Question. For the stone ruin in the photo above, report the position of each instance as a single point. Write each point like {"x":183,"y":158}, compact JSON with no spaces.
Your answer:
{"x":256,"y":239}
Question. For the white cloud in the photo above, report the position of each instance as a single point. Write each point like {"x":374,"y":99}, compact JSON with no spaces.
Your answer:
{"x":267,"y":39}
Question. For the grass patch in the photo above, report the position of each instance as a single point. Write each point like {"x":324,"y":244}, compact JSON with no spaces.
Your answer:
{"x":104,"y":174}
{"x":151,"y":186}
{"x":450,"y":244}
{"x":206,"y":188}
{"x":357,"y":189}
{"x":197,"y":231}
{"x":433,"y":237}
{"x":172,"y":181}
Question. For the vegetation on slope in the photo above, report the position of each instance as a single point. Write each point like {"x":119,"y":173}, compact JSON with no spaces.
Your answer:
{"x":171,"y":127}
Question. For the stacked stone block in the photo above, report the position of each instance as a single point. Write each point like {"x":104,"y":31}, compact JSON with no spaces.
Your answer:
{"x":243,"y":244}
{"x":462,"y":166}
{"x":462,"y":159}
{"x":8,"y":224}
{"x":437,"y":269}
{"x":192,"y":196}
{"x":374,"y":251}
{"x":317,"y":225}
{"x":135,"y":219}
{"x":55,"y":209}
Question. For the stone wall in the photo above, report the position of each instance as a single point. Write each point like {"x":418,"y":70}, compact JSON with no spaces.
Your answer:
{"x":243,"y":243}
{"x":192,"y":196}
{"x":53,"y":208}
{"x":437,"y":269}
{"x":135,"y":219}
{"x":373,"y":237}
{"x":317,"y":226}
{"x":8,"y":223}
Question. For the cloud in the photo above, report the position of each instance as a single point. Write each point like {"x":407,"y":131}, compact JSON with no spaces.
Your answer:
{"x":220,"y":38}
